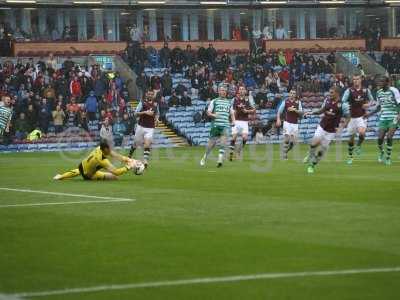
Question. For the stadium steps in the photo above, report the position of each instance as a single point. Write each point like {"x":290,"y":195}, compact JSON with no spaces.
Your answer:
{"x":172,"y":136}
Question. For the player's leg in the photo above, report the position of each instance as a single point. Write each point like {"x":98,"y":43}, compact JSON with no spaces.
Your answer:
{"x":233,"y":142}
{"x":389,"y":146}
{"x":137,"y":140}
{"x":352,"y":130}
{"x":286,"y":140}
{"x":212,"y":141}
{"x":245,"y":136}
{"x":312,"y":152}
{"x":148,"y":140}
{"x":361,"y":136}
{"x":67,"y":175}
{"x":100,"y":175}
{"x":221,"y":153}
{"x":285,"y":146}
{"x":210,"y":146}
{"x":350,"y":149}
{"x":324,"y":146}
{"x":381,"y":139}
{"x":132,"y":149}
{"x":292,"y":142}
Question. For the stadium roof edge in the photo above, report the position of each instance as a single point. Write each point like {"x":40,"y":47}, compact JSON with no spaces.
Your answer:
{"x":197,"y":5}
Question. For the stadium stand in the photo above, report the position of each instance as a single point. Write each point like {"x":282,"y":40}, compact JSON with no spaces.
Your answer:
{"x":268,"y":73}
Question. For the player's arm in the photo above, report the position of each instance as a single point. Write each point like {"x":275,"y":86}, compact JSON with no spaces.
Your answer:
{"x":396,"y":95}
{"x":119,"y":157}
{"x":157,"y":115}
{"x":343,"y":124}
{"x":139,"y":112}
{"x":8,"y":124}
{"x":370,"y":96}
{"x":316,"y":111}
{"x":279,"y":113}
{"x":107,"y":165}
{"x":375,"y":110}
{"x":346,"y":96}
{"x":210,"y":110}
{"x":232,"y":112}
{"x":370,"y":101}
{"x":252,"y":109}
{"x":299,"y":111}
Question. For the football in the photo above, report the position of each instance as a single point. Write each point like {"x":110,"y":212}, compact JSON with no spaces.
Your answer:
{"x":139,"y":168}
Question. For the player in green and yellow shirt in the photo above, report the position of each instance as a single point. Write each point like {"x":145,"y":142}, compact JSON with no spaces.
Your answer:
{"x":222,"y":114}
{"x":388,"y":98}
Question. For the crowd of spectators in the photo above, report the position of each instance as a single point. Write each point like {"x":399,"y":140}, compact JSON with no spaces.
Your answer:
{"x":47,"y":95}
{"x":268,"y":75}
{"x":261,"y":72}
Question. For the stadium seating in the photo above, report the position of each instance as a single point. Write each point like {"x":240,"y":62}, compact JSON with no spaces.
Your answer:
{"x":181,"y":118}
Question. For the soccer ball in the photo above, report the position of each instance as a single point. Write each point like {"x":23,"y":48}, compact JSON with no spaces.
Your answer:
{"x":139,"y":168}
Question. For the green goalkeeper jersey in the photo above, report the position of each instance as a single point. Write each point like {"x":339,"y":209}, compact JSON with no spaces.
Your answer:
{"x":222,"y":107}
{"x":389,"y":102}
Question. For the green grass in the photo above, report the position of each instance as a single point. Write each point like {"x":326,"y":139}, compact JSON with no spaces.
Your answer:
{"x":192,"y":222}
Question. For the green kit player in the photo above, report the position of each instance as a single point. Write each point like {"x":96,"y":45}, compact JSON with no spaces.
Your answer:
{"x":5,"y":115}
{"x":389,"y":107}
{"x":222,"y":114}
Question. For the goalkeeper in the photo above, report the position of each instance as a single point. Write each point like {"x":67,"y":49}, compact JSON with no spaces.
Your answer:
{"x":97,"y":166}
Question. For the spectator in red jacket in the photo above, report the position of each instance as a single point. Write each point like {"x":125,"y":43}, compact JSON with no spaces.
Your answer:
{"x":75,"y":88}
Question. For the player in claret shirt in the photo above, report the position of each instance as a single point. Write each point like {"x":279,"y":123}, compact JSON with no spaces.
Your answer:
{"x":333,"y":113}
{"x":243,"y":106}
{"x":147,"y":114}
{"x":358,"y":99}
{"x":293,"y":111}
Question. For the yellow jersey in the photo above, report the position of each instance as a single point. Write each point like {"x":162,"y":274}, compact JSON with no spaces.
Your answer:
{"x":94,"y":162}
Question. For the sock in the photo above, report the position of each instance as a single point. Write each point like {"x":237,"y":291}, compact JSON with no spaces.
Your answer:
{"x":351,"y":148}
{"x":132,"y":150}
{"x":291,"y":145}
{"x":244,"y":142}
{"x":319,"y":156}
{"x":380,"y":147}
{"x":232,"y":146}
{"x":361,"y":139}
{"x":70,"y":174}
{"x":221,"y":155}
{"x":285,"y":148}
{"x":389,"y":146}
{"x":311,"y":156}
{"x":146,"y":154}
{"x":209,"y":148}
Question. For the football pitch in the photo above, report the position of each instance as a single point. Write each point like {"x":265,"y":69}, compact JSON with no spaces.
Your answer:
{"x":258,"y":228}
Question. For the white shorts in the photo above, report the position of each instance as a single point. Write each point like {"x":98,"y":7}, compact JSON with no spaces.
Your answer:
{"x":143,"y":133}
{"x":241,"y":127}
{"x":290,"y":129}
{"x":355,"y":124}
{"x":324,"y":136}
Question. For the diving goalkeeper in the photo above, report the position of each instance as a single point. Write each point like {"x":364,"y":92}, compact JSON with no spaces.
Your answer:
{"x":97,"y":166}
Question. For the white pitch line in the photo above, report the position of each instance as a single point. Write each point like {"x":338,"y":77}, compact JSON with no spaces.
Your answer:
{"x":8,"y":297}
{"x":203,"y":281}
{"x":101,"y":199}
{"x":63,"y":194}
{"x":62,"y":203}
